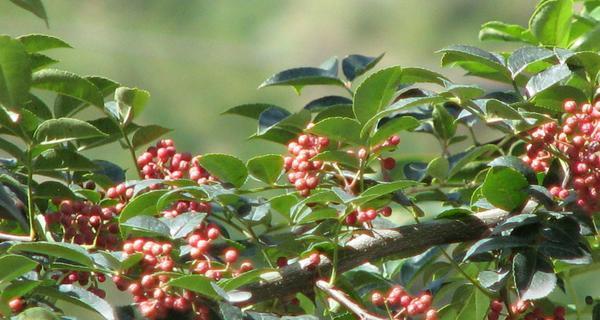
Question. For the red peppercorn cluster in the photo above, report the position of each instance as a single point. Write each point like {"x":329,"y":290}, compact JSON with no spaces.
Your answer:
{"x":578,"y":139}
{"x":180,"y":207}
{"x":404,"y":304}
{"x":150,"y":291}
{"x":164,"y":162}
{"x":303,"y":172}
{"x":366,"y":215}
{"x":89,"y":279}
{"x":520,"y":308}
{"x":86,"y":223}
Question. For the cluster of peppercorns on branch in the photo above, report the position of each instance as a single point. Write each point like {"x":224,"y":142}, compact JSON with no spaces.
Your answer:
{"x":522,"y":309}
{"x":577,"y":140}
{"x":403,"y":305}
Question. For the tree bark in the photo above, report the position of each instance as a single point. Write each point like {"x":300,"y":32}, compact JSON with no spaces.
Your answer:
{"x":372,"y":245}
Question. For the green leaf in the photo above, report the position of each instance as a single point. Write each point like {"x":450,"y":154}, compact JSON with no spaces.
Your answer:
{"x":13,"y":266}
{"x":11,"y":149}
{"x":533,"y":274}
{"x":9,"y":209}
{"x":197,"y":283}
{"x":399,"y":105}
{"x":327,"y":102}
{"x":496,"y":109}
{"x":589,"y":41}
{"x":266,"y":168}
{"x":144,"y":204}
{"x":303,"y":76}
{"x":183,"y":224}
{"x":550,"y":22}
{"x":312,"y":215}
{"x":62,"y":250}
{"x":65,"y":129}
{"x":80,"y":297}
{"x":475,"y":307}
{"x":492,"y":280}
{"x":420,"y":75}
{"x":474,"y":60}
{"x":251,"y":110}
{"x":554,"y":97}
{"x":438,"y":168}
{"x":146,"y":225}
{"x":40,"y":42}
{"x":443,"y":122}
{"x":64,"y":105}
{"x":18,"y":289}
{"x":243,"y":279}
{"x":37,"y":313}
{"x":39,"y":61}
{"x":15,"y":75}
{"x":62,"y":160}
{"x":517,"y":164}
{"x":68,"y":84}
{"x":391,"y":127}
{"x":355,"y":65}
{"x":340,"y":129}
{"x":34,"y":6}
{"x":454,"y":213}
{"x":53,"y":189}
{"x":375,"y":93}
{"x":496,"y":30}
{"x":148,"y":134}
{"x":282,"y":119}
{"x":547,"y":79}
{"x":225,"y":167}
{"x":381,"y":190}
{"x":469,"y":157}
{"x":521,"y":58}
{"x":494,"y":243}
{"x":134,"y":100}
{"x":505,"y":188}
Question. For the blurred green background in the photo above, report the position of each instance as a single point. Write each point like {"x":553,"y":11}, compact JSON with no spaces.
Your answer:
{"x":199,"y":58}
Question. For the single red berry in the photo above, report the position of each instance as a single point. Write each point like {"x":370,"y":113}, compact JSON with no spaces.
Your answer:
{"x":231,"y":255}
{"x":377,"y":298}
{"x":388,"y":163}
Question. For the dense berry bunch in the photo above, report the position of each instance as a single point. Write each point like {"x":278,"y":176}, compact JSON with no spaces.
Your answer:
{"x":85,"y":223}
{"x":303,"y":172}
{"x":366,"y":215}
{"x":164,"y":162}
{"x":404,"y":304}
{"x":150,"y":291}
{"x":578,"y":140}
{"x":522,"y":308}
{"x":180,"y":207}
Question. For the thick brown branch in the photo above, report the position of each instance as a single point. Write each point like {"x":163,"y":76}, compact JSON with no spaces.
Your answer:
{"x":373,"y":245}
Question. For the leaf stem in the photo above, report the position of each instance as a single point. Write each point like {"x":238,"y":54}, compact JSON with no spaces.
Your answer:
{"x":468,"y":277}
{"x":131,"y":152}
{"x":30,"y":209}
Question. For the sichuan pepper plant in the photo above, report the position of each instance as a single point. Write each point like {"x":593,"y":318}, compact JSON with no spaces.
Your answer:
{"x":317,"y":231}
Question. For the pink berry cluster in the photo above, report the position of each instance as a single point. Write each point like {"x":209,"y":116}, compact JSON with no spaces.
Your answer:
{"x":150,"y":290}
{"x":181,"y":206}
{"x":86,"y":223}
{"x":164,"y":162}
{"x":521,"y":308}
{"x":301,"y":171}
{"x":578,"y":139}
{"x":404,"y":304}
{"x":366,"y":215}
{"x":89,"y":279}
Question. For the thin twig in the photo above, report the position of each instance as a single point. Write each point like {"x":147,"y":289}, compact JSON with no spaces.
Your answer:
{"x":341,"y":297}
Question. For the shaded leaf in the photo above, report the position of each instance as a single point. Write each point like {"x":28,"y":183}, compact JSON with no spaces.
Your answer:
{"x":15,"y":77}
{"x":355,"y":65}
